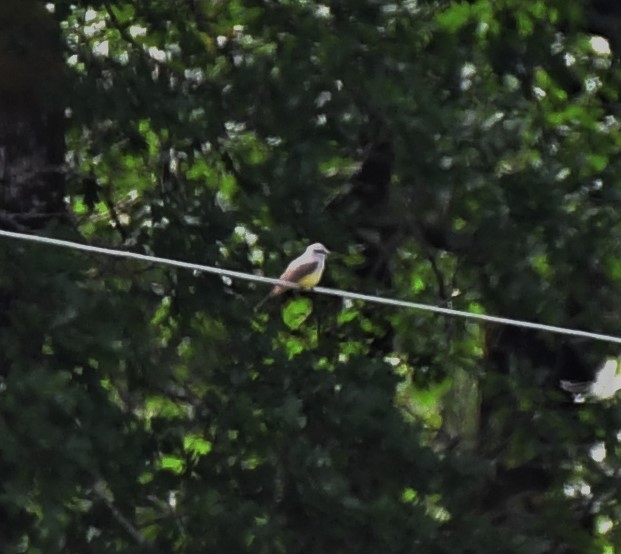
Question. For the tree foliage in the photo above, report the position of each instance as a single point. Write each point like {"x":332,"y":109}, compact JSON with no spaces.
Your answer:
{"x":456,"y":153}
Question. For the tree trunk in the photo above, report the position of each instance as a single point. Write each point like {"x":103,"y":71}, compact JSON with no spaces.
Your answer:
{"x":31,"y":152}
{"x":31,"y":116}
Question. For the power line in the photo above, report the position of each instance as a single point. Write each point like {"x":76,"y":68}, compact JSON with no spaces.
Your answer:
{"x":319,"y":290}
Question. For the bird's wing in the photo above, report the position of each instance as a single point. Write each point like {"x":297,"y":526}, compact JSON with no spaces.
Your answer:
{"x":577,"y":387}
{"x":295,"y":273}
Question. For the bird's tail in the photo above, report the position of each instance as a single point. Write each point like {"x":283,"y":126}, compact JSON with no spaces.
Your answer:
{"x":264,"y":300}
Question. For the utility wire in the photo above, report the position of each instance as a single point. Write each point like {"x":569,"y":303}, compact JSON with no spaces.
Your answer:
{"x":320,"y":290}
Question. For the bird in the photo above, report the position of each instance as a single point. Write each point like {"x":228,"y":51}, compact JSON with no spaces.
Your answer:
{"x":605,"y":385}
{"x":306,"y":271}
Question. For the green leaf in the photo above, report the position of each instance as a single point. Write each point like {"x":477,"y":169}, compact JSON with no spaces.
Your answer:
{"x":455,"y":17}
{"x":124,"y":12}
{"x":196,"y":445}
{"x":597,"y":161}
{"x":296,"y":312}
{"x":172,"y":463}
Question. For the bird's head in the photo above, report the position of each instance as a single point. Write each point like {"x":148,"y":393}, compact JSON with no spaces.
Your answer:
{"x":318,"y":249}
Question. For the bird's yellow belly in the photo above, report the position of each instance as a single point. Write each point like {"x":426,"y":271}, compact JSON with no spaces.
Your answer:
{"x":311,"y":280}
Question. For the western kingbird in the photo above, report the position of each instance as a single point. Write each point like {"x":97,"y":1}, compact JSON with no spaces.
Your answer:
{"x":305,"y":271}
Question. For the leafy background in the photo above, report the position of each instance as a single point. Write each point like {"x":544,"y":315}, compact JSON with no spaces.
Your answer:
{"x":463,"y":154}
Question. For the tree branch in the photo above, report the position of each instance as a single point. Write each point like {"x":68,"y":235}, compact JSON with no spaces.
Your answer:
{"x":119,"y":517}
